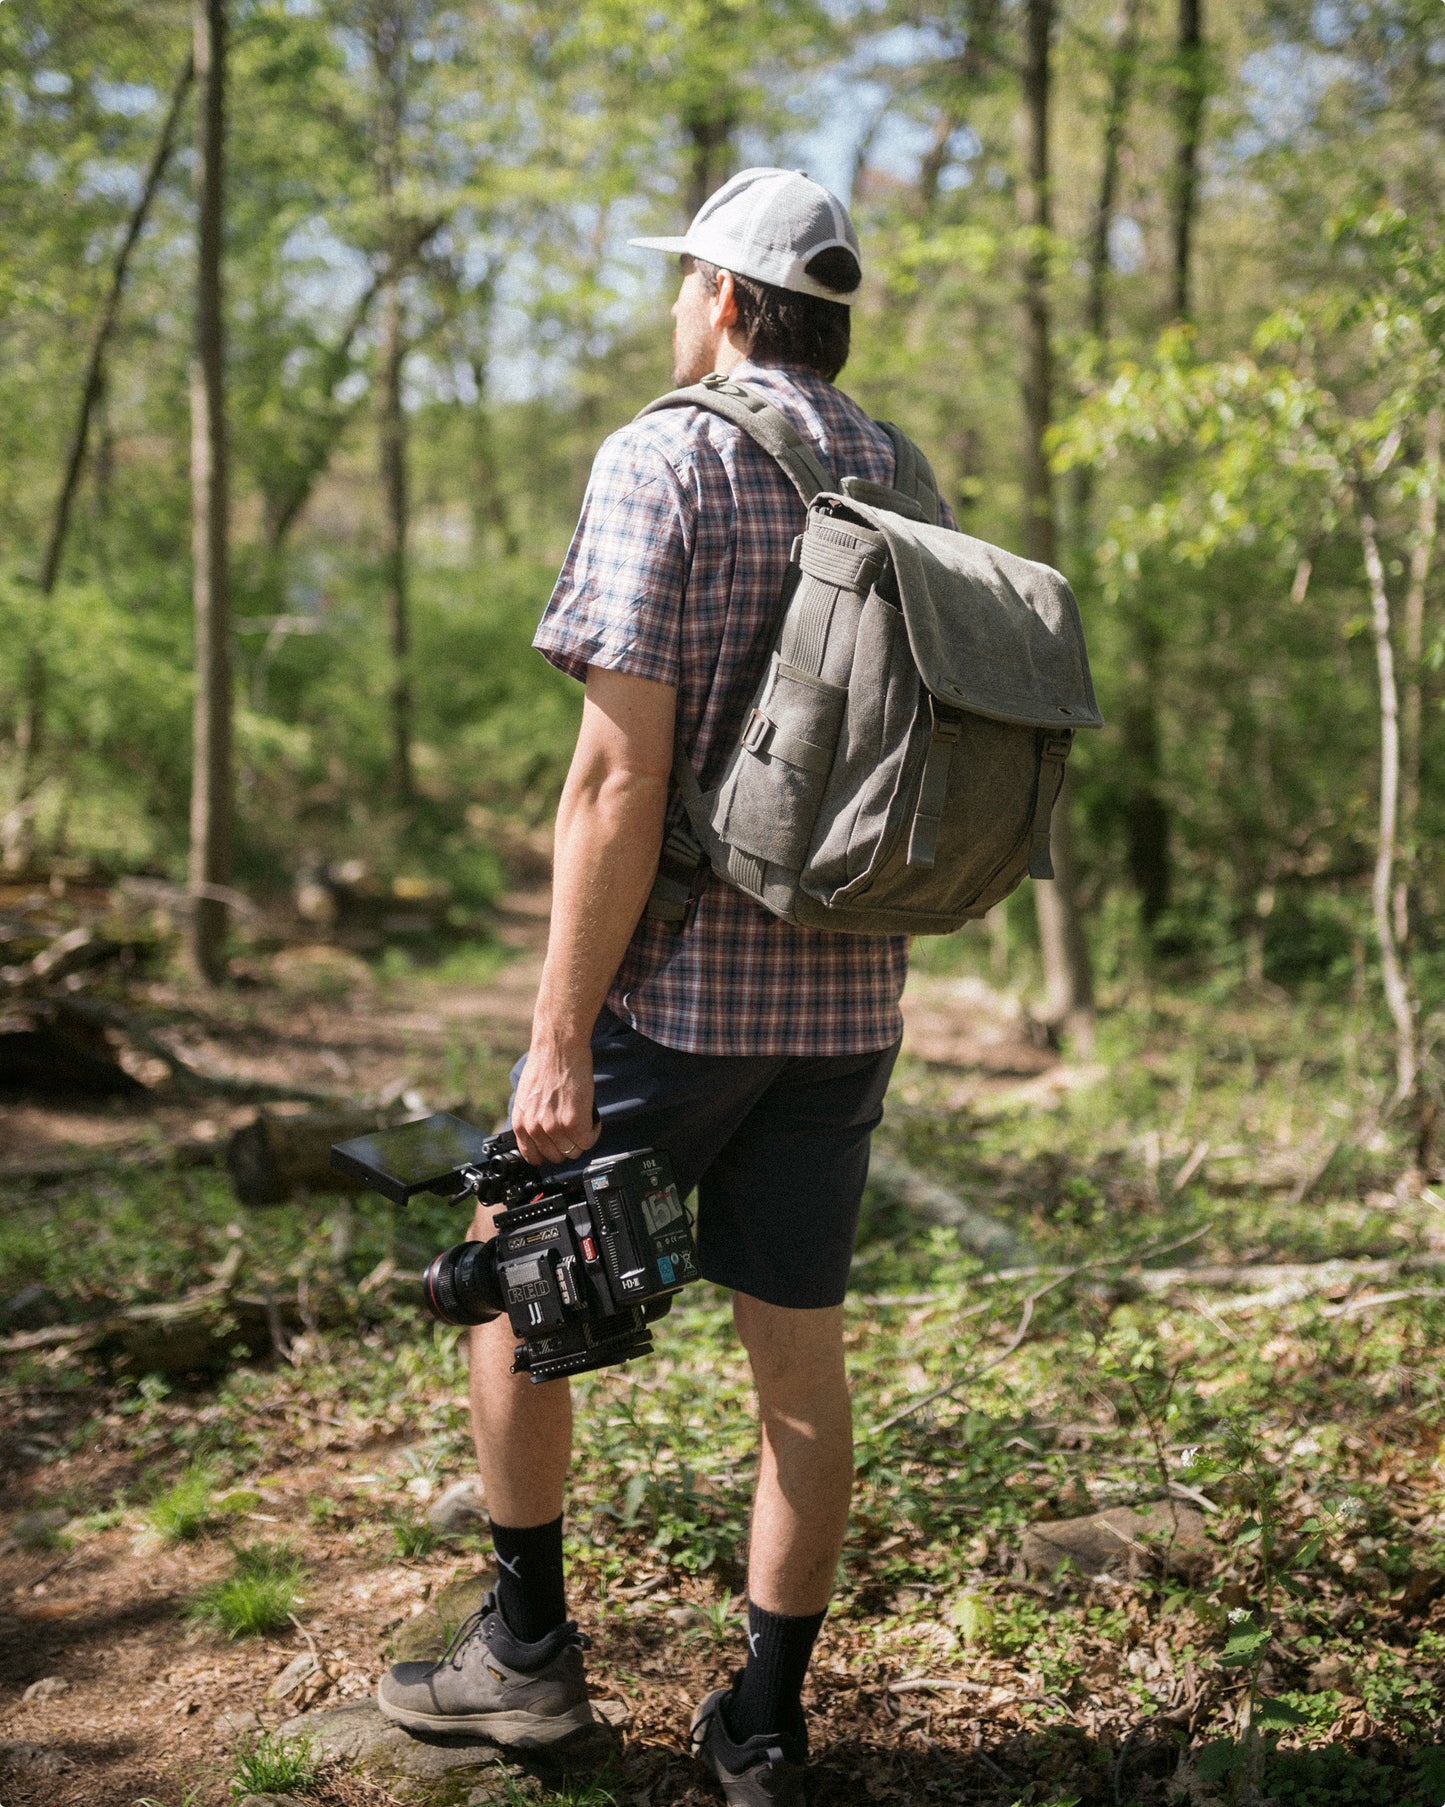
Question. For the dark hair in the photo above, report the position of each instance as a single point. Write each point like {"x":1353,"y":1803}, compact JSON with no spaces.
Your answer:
{"x":784,"y":327}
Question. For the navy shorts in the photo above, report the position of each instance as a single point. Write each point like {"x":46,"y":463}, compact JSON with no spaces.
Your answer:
{"x":776,"y":1145}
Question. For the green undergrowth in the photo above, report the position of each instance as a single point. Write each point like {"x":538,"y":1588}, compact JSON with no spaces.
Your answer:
{"x":258,"y":1597}
{"x":1305,"y":1426}
{"x":267,"y":1765}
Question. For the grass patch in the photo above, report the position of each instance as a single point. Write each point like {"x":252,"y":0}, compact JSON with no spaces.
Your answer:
{"x":192,"y":1505}
{"x":268,"y":1764}
{"x":257,"y":1598}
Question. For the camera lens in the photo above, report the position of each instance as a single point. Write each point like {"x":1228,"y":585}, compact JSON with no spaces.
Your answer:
{"x":460,"y":1286}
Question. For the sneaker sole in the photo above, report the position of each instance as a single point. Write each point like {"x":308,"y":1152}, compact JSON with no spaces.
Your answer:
{"x":523,"y":1731}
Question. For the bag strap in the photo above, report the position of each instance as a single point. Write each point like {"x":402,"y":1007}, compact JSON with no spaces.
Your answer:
{"x":760,"y":420}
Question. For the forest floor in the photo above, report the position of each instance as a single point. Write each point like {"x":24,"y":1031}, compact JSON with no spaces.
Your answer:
{"x":1232,"y":1302}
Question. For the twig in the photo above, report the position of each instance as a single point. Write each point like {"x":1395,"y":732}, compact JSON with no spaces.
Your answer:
{"x":1353,"y":1307}
{"x":1198,"y":1156}
{"x":1312,"y":1176}
{"x":1059,"y":1279}
{"x":976,"y":1373}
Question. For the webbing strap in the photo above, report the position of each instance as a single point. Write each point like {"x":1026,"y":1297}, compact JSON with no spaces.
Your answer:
{"x":761,"y":421}
{"x":912,"y":473}
{"x":923,"y":838}
{"x":1054,"y":745}
{"x":763,"y":735}
{"x":849,"y":567}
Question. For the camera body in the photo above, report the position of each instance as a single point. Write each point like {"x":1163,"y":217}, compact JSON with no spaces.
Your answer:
{"x":581,"y":1264}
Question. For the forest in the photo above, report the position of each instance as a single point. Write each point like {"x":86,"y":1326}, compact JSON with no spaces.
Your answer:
{"x":313,"y":314}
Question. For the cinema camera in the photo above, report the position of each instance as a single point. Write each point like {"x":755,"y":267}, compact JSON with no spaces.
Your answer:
{"x":582,"y":1263}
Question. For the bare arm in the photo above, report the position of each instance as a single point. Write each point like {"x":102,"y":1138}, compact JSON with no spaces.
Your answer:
{"x":609,"y":835}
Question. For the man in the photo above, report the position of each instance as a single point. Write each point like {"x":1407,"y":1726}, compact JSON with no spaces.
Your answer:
{"x":757,"y":1054}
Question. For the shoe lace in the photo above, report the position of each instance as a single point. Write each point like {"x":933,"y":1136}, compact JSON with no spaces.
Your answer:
{"x":470,"y":1630}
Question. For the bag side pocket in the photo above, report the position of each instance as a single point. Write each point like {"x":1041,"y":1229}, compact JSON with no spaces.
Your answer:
{"x":768,"y":800}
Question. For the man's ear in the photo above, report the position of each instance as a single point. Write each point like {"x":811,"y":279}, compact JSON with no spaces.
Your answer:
{"x":723,"y":305}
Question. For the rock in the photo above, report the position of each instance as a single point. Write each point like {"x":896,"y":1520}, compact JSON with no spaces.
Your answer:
{"x":424,"y":1638}
{"x":685,"y":1617}
{"x":32,"y":1308}
{"x":359,"y":1733}
{"x":457,"y":1508}
{"x":46,"y":1687}
{"x":614,"y":1713}
{"x":240,"y":1722}
{"x":1130,"y":1540}
{"x":1331,"y":1674}
{"x":34,"y":1759}
{"x":32,"y":1529}
{"x":292,"y":1676}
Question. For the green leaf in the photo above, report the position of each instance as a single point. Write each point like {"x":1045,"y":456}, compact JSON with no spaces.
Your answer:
{"x":632,"y":1499}
{"x":1277,"y":1712}
{"x":1218,"y":1759}
{"x":1244,"y":1639}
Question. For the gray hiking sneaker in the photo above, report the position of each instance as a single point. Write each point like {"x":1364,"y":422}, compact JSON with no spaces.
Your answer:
{"x":756,"y":1773}
{"x":491,"y":1685}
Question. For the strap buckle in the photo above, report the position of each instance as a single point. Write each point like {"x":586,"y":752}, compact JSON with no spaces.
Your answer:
{"x":756,"y":732}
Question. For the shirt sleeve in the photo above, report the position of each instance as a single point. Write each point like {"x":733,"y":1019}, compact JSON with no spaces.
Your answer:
{"x":618,"y":601}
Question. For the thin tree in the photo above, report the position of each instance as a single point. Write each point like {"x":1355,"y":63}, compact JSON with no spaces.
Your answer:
{"x":211,"y":797}
{"x":1069,"y":1003}
{"x":1412,"y":650}
{"x":1190,"y":91}
{"x":1392,"y":970}
{"x":1123,"y":63}
{"x":388,"y":49}
{"x":31,"y":732}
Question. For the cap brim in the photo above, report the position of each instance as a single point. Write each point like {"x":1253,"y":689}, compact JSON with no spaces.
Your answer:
{"x":675,"y":245}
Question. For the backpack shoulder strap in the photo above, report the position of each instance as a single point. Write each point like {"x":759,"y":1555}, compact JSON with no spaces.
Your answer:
{"x":760,"y":420}
{"x":912,"y":473}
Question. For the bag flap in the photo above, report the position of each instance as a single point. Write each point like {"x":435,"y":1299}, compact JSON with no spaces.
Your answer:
{"x":990,"y":632}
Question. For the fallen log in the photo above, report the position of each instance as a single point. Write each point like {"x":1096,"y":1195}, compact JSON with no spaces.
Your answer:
{"x":54,"y":1047}
{"x":984,"y":1235}
{"x":276,"y":1155}
{"x":202,"y":1332}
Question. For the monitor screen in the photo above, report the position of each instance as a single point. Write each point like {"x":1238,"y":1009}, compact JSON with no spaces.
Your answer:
{"x":415,"y":1157}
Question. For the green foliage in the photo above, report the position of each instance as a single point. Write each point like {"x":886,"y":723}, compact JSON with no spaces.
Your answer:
{"x":269,"y":1764}
{"x":258,"y":1597}
{"x":187,"y":1507}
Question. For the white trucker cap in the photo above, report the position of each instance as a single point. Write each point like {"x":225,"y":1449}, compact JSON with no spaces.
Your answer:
{"x":767,"y":224}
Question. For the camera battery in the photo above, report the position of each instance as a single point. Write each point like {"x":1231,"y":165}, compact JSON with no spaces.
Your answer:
{"x":643,"y":1229}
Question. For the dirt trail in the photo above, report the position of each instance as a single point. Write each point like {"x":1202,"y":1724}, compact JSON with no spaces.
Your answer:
{"x":142,"y":1705}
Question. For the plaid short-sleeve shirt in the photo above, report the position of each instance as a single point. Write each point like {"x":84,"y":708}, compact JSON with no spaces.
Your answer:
{"x":674,"y":574}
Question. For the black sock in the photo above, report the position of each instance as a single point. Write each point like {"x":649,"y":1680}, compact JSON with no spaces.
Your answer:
{"x":530,"y":1589}
{"x":769,"y":1698}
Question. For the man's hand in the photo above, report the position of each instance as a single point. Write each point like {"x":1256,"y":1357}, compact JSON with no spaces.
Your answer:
{"x":609,"y":834}
{"x":553,"y":1114}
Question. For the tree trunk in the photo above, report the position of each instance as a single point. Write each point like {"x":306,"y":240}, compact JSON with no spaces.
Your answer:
{"x":1392,"y":972}
{"x":1040,"y":538}
{"x":211,"y":803}
{"x":1189,"y":115}
{"x":1070,"y":987}
{"x":1123,"y":62}
{"x":709,"y":140}
{"x":1068,"y":973}
{"x":1413,"y":702}
{"x":31,"y":731}
{"x":1146,"y":817}
{"x":388,"y":48}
